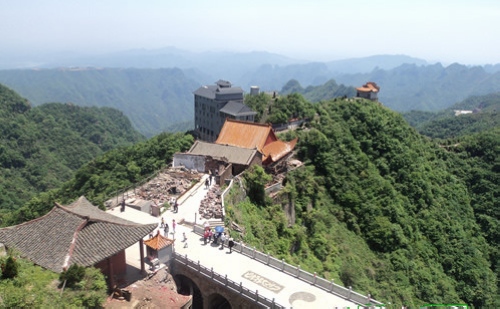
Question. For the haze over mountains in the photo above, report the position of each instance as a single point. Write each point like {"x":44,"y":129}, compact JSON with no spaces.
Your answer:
{"x":154,"y":87}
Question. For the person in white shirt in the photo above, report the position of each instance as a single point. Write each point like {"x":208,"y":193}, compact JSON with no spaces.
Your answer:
{"x":222,"y":240}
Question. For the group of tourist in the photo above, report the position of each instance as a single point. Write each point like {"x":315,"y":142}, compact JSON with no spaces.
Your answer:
{"x":165,"y":227}
{"x":217,"y":238}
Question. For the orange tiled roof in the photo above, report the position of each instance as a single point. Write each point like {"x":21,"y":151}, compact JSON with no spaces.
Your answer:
{"x":158,"y":242}
{"x":244,"y":134}
{"x":369,"y":87}
{"x":277,"y":150}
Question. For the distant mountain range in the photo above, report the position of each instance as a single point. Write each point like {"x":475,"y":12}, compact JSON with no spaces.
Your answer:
{"x":154,"y":87}
{"x":240,"y":68}
{"x":412,"y":87}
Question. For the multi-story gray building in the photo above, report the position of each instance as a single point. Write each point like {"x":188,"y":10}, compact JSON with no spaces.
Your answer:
{"x":213,"y":104}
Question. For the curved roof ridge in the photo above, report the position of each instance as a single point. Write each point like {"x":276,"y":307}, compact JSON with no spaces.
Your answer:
{"x":33,"y":220}
{"x":73,"y":244}
{"x":82,"y":208}
{"x":158,"y":241}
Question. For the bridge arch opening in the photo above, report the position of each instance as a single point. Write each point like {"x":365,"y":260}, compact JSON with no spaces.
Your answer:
{"x":218,"y":301}
{"x":186,"y":286}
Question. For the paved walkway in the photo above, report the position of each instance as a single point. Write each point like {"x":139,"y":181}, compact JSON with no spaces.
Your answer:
{"x":288,"y":290}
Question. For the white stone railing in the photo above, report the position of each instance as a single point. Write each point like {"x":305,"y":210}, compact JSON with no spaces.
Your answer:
{"x":297,"y":272}
{"x":227,"y":283}
{"x":222,"y":196}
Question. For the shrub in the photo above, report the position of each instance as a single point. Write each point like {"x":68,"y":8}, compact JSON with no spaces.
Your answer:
{"x":10,"y":269}
{"x":72,"y":275}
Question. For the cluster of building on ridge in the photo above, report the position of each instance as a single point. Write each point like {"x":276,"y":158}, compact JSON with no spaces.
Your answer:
{"x":228,"y":138}
{"x":229,"y":141}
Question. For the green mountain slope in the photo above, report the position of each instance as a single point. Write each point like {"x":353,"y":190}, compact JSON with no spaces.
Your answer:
{"x":41,"y":147}
{"x":327,"y":91}
{"x":105,"y":175}
{"x":153,"y":99}
{"x":378,"y":206}
{"x":382,"y":209}
{"x":445,"y":124}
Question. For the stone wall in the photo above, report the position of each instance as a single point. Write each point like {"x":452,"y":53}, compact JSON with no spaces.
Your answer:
{"x":190,"y":161}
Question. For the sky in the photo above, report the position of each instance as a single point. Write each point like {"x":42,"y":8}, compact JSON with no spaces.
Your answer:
{"x":464,"y":31}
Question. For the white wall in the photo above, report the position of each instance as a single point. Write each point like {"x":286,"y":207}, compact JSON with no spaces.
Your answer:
{"x":189,"y":161}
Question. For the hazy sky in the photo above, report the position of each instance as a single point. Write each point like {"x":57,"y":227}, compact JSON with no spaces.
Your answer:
{"x":436,"y":30}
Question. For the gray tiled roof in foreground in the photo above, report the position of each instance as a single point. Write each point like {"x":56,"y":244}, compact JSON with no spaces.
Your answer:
{"x":47,"y":241}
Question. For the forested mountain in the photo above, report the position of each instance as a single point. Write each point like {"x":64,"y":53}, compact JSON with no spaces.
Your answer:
{"x":378,"y":206}
{"x":41,"y":147}
{"x":387,"y":211}
{"x":445,"y":124}
{"x":153,"y":100}
{"x":327,"y":91}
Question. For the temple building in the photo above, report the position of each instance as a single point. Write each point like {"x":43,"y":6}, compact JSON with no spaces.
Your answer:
{"x":159,"y":249}
{"x":255,"y":136}
{"x":79,"y":233}
{"x":240,"y":145}
{"x":368,"y":91}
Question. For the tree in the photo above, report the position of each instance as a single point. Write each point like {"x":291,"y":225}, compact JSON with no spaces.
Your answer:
{"x":10,"y":269}
{"x":256,"y":180}
{"x":73,"y":275}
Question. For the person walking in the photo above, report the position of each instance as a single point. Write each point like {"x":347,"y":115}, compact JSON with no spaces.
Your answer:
{"x":210,"y":235}
{"x":230,"y":244}
{"x":206,"y":236}
{"x":222,"y":240}
{"x":206,"y":183}
{"x":165,"y":229}
{"x":176,"y":206}
{"x":162,"y":222}
{"x":173,"y":226}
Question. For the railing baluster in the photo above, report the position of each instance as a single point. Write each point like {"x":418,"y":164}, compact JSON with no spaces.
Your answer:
{"x":300,"y":274}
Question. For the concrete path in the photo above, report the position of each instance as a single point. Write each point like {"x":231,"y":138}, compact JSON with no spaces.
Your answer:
{"x":271,"y":283}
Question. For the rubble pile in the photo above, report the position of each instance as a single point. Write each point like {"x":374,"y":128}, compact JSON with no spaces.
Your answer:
{"x":164,"y":188}
{"x":211,"y":205}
